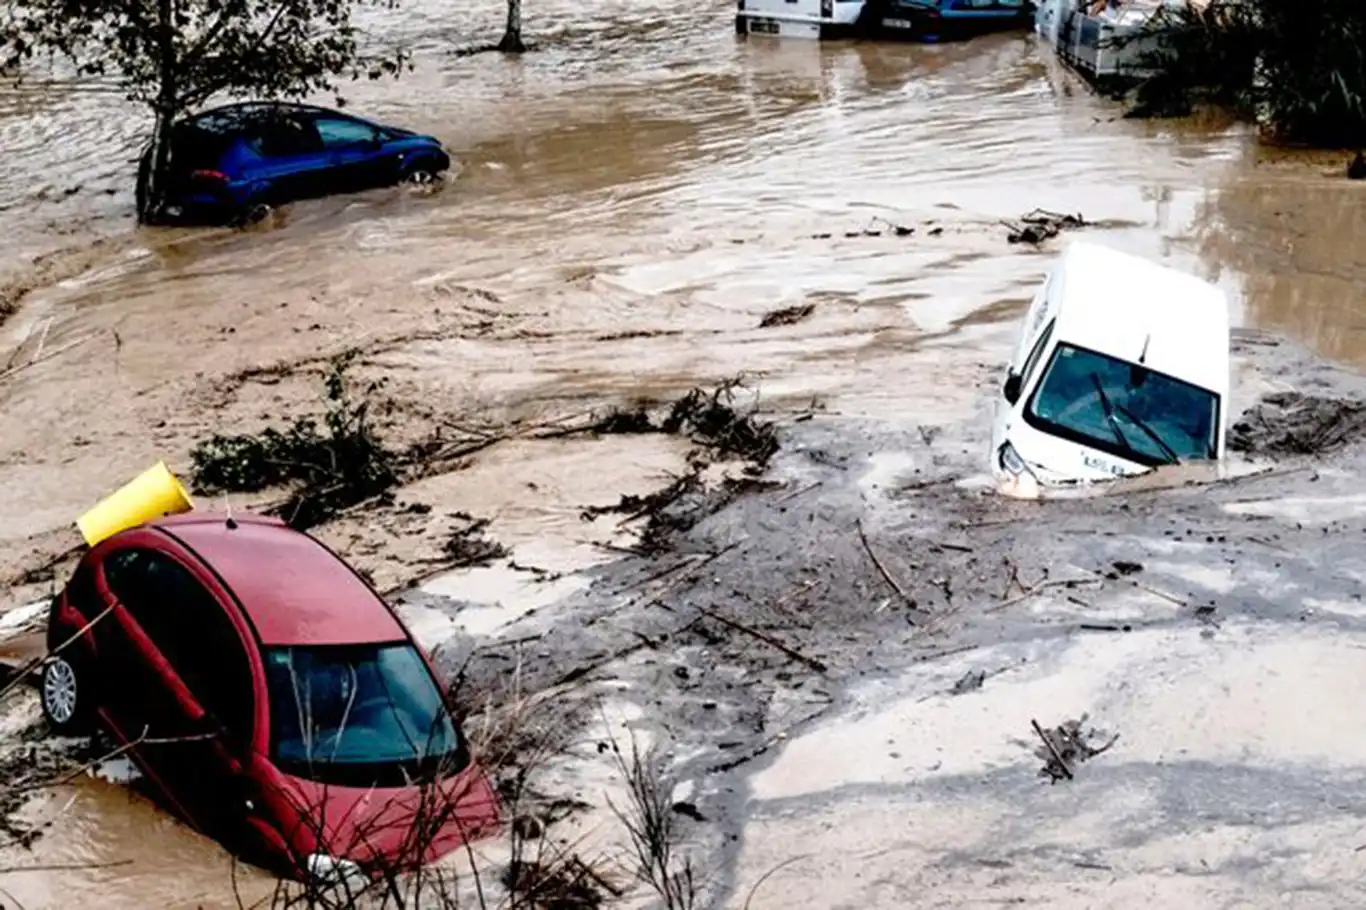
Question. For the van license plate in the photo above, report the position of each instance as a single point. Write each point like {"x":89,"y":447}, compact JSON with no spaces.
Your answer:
{"x":763,"y":26}
{"x":898,"y":23}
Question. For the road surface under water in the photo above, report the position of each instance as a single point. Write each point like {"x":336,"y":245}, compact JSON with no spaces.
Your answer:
{"x":632,"y":199}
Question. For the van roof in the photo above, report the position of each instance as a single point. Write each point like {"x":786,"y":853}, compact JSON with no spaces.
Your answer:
{"x":1117,"y":303}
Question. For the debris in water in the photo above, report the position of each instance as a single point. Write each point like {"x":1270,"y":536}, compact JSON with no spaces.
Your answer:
{"x":468,"y":546}
{"x":326,"y":470}
{"x":1040,"y":225}
{"x":711,"y":419}
{"x":708,"y":418}
{"x":1066,"y":746}
{"x":1292,"y":423}
{"x":1124,"y":567}
{"x":971,"y":682}
{"x":690,"y":810}
{"x":787,"y":315}
{"x":872,"y":230}
{"x":625,"y":421}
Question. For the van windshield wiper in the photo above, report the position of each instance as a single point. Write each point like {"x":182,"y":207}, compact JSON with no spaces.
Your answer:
{"x":1109,"y":410}
{"x":1173,"y":458}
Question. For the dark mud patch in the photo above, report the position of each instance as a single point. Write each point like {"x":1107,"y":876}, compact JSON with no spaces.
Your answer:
{"x":1296,"y":424}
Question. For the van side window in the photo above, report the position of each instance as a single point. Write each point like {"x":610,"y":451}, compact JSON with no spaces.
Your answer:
{"x":1033,"y":361}
{"x":190,"y":629}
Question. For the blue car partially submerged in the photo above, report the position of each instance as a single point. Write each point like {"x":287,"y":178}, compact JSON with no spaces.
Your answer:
{"x":230,"y":163}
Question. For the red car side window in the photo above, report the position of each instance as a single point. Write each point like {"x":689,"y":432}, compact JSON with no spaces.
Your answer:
{"x":188,"y":626}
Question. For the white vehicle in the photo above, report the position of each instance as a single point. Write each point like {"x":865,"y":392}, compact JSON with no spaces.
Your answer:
{"x":798,"y":18}
{"x":1121,"y":367}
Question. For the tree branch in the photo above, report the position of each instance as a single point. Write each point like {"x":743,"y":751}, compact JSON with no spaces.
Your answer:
{"x":193,"y":99}
{"x":212,"y":33}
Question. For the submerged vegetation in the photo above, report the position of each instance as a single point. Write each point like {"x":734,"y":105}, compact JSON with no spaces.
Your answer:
{"x":1297,"y":67}
{"x":330,"y":464}
{"x":327,"y":468}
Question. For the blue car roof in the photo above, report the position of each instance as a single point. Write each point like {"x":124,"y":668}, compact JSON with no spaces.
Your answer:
{"x":232,"y":117}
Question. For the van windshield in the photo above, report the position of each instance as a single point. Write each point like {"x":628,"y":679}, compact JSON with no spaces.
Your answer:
{"x":367,"y":715}
{"x":1124,"y":409}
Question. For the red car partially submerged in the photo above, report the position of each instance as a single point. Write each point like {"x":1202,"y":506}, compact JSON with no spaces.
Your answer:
{"x":275,"y":700}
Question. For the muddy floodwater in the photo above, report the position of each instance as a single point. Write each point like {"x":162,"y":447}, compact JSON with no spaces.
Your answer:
{"x":631,"y":200}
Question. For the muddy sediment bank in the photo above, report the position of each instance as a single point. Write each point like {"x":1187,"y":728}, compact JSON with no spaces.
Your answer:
{"x":841,"y":607}
{"x":1197,"y":621}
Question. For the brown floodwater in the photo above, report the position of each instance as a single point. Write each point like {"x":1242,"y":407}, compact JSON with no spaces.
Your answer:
{"x":631,"y":199}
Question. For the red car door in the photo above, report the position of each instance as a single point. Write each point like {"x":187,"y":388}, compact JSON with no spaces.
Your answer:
{"x":184,"y":686}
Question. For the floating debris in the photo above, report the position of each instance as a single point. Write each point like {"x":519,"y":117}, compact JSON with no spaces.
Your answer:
{"x":1292,"y":423}
{"x":971,"y":682}
{"x":1040,"y":225}
{"x":1066,"y":746}
{"x":787,"y":315}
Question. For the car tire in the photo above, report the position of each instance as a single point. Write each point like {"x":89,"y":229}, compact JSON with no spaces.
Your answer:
{"x":419,"y":174}
{"x":62,"y":693}
{"x":257,"y":213}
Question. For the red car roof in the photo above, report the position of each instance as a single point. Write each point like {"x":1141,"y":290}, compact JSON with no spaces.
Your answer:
{"x":294,"y":590}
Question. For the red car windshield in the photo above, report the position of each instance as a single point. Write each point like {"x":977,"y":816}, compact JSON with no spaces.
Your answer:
{"x":359,"y":715}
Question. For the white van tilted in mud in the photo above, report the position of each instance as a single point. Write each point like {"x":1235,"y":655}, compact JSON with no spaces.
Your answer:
{"x":1121,"y":367}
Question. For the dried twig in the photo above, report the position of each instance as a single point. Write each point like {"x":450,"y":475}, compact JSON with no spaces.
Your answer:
{"x":887,"y":576}
{"x":1170,"y":598}
{"x":798,"y":492}
{"x":28,"y":667}
{"x":1040,"y":587}
{"x":48,"y":356}
{"x":65,"y":867}
{"x":1013,"y":581}
{"x":817,"y":665}
{"x":12,"y":899}
{"x":1057,"y":756}
{"x":772,"y":872}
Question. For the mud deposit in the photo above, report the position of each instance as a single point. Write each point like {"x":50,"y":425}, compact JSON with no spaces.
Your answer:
{"x":835,"y":638}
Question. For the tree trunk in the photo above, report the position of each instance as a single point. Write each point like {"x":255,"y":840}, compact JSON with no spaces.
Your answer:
{"x":153,"y":168}
{"x":512,"y":37}
{"x":152,"y":173}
